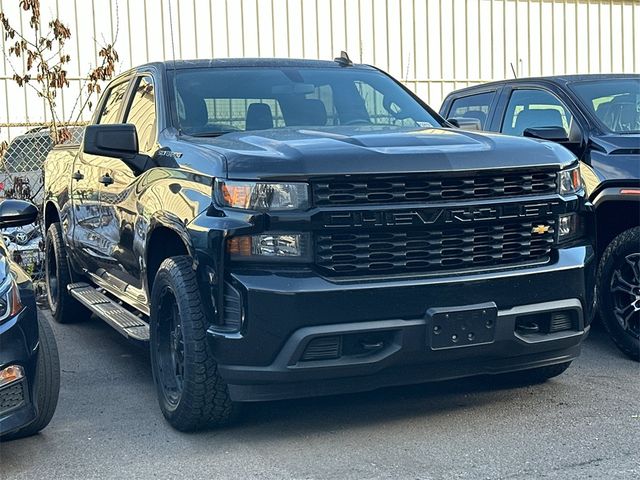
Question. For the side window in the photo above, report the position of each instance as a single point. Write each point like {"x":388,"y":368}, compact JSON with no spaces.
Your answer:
{"x":142,"y":113}
{"x":474,"y":108}
{"x":110,"y":112}
{"x":534,"y":108}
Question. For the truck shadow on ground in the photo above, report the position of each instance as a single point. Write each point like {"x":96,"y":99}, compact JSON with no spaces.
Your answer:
{"x":126,"y":362}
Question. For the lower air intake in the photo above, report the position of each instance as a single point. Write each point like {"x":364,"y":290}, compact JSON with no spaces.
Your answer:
{"x":323,"y":348}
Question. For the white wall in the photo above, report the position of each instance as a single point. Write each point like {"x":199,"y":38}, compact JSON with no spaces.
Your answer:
{"x":435,"y":46}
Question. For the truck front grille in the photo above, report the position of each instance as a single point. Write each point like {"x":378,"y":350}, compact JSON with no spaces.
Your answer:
{"x":416,"y":188}
{"x":437,"y":249}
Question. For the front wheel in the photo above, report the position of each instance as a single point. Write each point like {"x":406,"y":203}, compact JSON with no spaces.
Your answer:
{"x":191,"y":393}
{"x":47,"y":381}
{"x":618,"y":284}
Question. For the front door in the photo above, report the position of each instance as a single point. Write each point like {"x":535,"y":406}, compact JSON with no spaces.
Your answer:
{"x":123,"y":239}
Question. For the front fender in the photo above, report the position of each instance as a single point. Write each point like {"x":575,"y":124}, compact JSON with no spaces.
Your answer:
{"x":209,"y":232}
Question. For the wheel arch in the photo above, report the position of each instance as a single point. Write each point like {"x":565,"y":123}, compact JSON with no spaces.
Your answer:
{"x":615,"y":212}
{"x":51,"y":214}
{"x":165,"y":239}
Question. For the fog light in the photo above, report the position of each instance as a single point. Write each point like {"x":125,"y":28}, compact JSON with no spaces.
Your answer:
{"x":269,"y":246}
{"x":569,"y":227}
{"x":10,"y":374}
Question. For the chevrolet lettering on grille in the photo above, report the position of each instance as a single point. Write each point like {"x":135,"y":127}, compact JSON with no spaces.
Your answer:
{"x":431,"y":216}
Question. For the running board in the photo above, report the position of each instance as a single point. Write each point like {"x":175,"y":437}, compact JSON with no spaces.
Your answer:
{"x":111,"y":312}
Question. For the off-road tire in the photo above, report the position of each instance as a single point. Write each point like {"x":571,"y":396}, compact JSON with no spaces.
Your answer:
{"x":47,"y":381}
{"x":203,"y":399}
{"x":626,"y":243}
{"x":64,"y":308}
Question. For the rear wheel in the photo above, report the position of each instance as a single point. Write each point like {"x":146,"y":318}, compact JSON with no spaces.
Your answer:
{"x":618,"y":286}
{"x":191,"y":393}
{"x":47,"y":381}
{"x":64,"y":308}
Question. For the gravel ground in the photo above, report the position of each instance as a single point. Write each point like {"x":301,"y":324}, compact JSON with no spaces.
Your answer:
{"x":583,"y":424}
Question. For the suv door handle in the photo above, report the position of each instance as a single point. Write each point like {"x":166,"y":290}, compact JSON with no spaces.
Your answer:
{"x":106,"y":179}
{"x":77,"y":175}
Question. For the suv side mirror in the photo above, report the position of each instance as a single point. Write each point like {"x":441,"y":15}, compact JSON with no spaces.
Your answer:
{"x":118,"y":140}
{"x":552,"y":134}
{"x":465,"y":123}
{"x":16,"y":213}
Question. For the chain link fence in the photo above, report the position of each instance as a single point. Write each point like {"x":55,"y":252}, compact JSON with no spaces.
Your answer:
{"x":21,"y":177}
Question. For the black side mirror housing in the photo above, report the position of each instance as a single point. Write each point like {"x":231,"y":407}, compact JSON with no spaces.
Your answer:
{"x":16,"y":213}
{"x":118,"y":140}
{"x":465,"y":123}
{"x":552,"y":134}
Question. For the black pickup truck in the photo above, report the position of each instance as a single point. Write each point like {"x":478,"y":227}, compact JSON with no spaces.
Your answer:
{"x":597,"y":117}
{"x":288,"y":228}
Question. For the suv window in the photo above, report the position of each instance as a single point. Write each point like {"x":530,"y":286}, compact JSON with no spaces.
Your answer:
{"x":473,"y":107}
{"x":142,"y":113}
{"x":534,"y":108}
{"x":110,"y":112}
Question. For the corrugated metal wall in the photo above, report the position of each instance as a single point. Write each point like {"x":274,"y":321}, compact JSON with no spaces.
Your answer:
{"x":435,"y":46}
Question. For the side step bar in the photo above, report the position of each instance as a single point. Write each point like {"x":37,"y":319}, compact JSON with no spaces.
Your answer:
{"x":114,"y":314}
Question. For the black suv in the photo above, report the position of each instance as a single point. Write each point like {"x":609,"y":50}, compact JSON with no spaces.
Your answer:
{"x":597,"y":117}
{"x":29,"y":365}
{"x":285,"y":228}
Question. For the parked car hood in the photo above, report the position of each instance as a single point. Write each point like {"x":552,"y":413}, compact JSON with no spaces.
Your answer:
{"x":618,"y":144}
{"x":613,"y":159}
{"x":302,"y":153}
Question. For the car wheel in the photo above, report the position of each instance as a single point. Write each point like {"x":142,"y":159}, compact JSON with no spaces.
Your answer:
{"x":47,"y":381}
{"x":191,"y":393}
{"x":618,"y":284}
{"x":64,"y":308}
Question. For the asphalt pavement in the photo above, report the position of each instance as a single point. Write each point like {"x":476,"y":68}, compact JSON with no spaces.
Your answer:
{"x":583,"y":424}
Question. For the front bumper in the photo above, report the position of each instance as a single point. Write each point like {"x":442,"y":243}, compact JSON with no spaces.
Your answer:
{"x":284,"y":311}
{"x":19,"y":341}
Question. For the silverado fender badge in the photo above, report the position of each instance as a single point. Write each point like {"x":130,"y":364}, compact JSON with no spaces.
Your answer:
{"x":540,"y":229}
{"x":169,"y":153}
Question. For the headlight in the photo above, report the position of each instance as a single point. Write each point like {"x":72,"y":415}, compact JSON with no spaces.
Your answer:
{"x":569,"y":181}
{"x":270,"y":246}
{"x":261,"y":196}
{"x":10,"y":303}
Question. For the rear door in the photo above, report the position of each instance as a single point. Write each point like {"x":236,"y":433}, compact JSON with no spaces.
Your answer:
{"x":88,"y":216}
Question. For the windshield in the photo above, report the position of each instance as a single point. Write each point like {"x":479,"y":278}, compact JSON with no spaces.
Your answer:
{"x":616,"y":103}
{"x":214,"y":101}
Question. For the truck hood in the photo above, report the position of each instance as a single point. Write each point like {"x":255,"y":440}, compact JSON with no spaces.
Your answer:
{"x":291,"y":153}
{"x":614,"y":160}
{"x":613,"y":144}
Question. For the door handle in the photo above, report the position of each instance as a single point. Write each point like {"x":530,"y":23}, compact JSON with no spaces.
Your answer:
{"x":77,"y":175}
{"x":106,"y":179}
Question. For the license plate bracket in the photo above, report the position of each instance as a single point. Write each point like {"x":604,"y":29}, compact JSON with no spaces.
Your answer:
{"x":464,"y":326}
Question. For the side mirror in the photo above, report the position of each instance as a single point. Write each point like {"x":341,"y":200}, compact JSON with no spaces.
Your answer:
{"x":16,"y":213}
{"x":118,"y":140}
{"x":552,"y":134}
{"x":465,"y":123}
